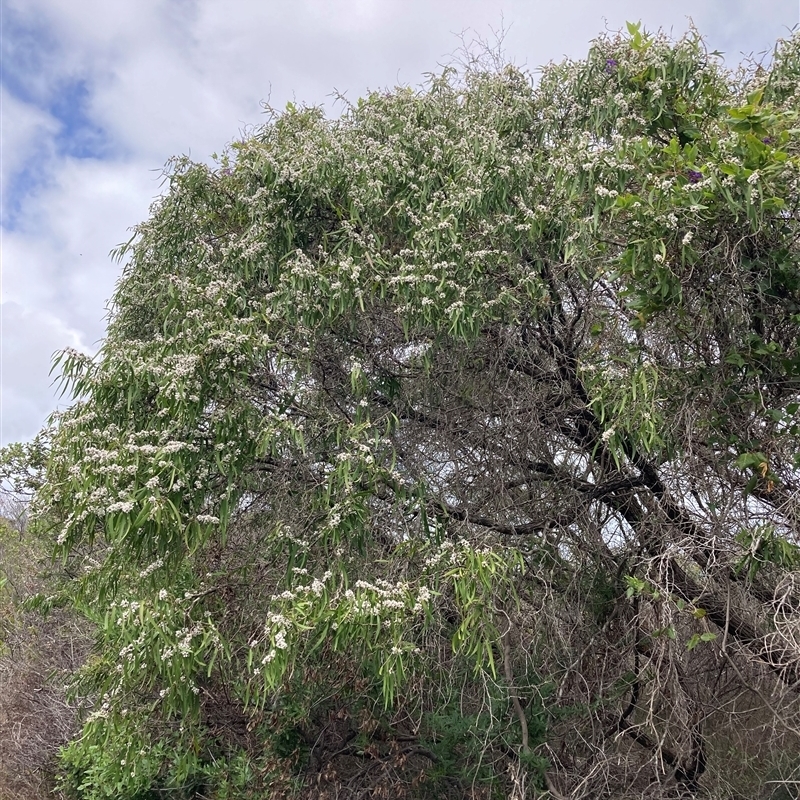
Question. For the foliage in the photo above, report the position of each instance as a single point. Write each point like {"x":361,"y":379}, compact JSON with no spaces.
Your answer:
{"x":422,"y":441}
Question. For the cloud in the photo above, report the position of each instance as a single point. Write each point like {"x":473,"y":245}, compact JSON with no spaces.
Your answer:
{"x":743,"y":27}
{"x":59,"y":253}
{"x":58,"y":277}
{"x":97,"y":96}
{"x":27,"y":393}
{"x":26,"y":144}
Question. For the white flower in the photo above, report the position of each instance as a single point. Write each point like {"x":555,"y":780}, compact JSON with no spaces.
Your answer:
{"x":603,"y":192}
{"x":150,"y":568}
{"x":687,"y":238}
{"x":125,"y":507}
{"x":608,"y":433}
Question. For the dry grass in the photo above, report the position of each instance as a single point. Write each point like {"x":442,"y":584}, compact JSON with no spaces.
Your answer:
{"x":37,"y":654}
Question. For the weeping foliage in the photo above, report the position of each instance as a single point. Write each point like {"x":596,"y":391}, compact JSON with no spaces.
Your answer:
{"x":449,"y":448}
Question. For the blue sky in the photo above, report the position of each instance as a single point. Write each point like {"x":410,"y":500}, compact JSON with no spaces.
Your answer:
{"x":97,"y":95}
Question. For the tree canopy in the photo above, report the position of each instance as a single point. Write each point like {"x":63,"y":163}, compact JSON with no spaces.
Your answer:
{"x":449,"y":448}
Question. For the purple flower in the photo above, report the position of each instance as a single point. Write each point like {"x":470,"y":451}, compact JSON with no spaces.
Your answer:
{"x":694,"y":176}
{"x":611,"y":64}
{"x":768,"y":140}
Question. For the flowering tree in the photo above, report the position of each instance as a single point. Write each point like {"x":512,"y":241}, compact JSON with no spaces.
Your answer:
{"x":449,"y":448}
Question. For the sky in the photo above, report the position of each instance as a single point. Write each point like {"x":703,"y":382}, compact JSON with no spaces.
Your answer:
{"x":96,"y":96}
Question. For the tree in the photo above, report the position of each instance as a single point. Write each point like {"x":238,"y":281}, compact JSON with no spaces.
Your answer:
{"x":449,"y":448}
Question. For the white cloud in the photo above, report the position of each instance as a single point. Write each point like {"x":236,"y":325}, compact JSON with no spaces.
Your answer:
{"x":27,"y":393}
{"x":57,"y":258}
{"x":57,"y":277}
{"x":26,"y":137}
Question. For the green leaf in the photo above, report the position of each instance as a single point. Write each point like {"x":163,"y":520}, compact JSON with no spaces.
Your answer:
{"x":633,"y":27}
